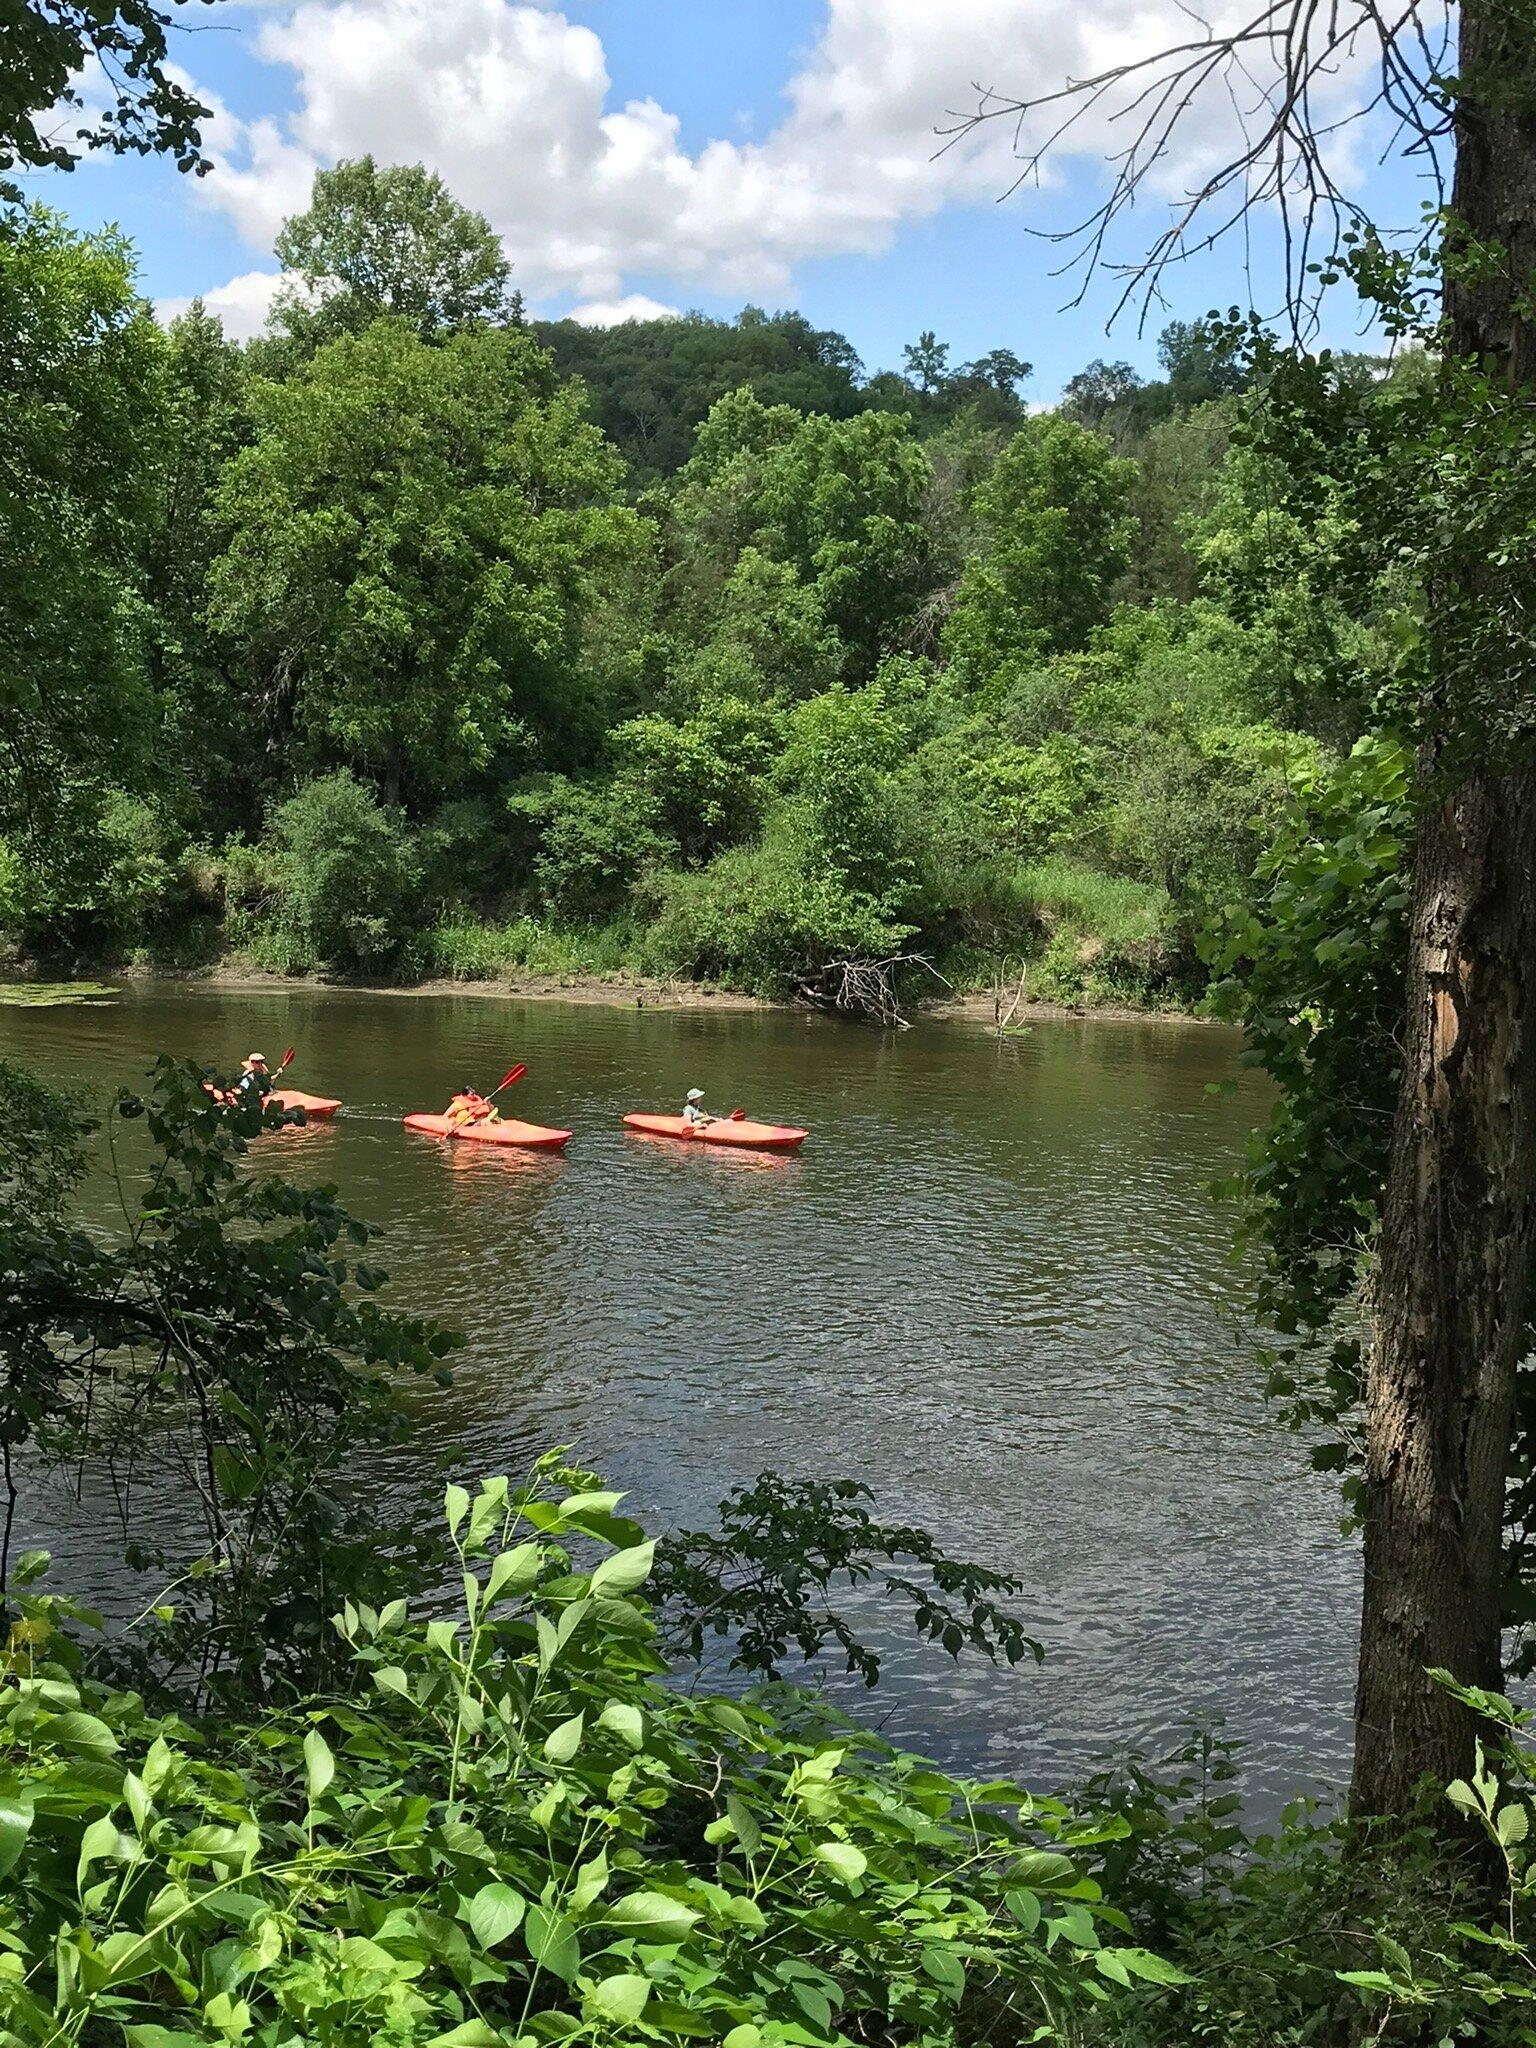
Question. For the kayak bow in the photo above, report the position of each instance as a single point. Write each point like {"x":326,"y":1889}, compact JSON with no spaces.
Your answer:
{"x":312,"y":1105}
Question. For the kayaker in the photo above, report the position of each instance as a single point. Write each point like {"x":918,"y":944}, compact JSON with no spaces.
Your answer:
{"x":469,"y":1106}
{"x":255,"y":1083}
{"x":694,"y":1111}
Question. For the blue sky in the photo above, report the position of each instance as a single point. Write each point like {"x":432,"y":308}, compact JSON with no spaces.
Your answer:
{"x":682,"y":154}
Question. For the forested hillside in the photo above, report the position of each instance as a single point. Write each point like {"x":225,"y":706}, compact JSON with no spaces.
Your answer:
{"x":413,"y":639}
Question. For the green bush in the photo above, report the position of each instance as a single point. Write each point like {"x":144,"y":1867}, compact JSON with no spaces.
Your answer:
{"x":760,"y":916}
{"x":510,"y":1830}
{"x":594,"y":843}
{"x":333,"y":883}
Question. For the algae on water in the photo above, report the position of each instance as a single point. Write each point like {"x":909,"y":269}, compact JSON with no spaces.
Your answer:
{"x":48,"y":995}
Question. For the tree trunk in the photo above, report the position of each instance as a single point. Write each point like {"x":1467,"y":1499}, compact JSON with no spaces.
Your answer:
{"x":1459,"y":1220}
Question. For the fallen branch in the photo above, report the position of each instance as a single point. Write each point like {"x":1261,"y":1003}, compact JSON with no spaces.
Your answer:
{"x":863,"y":988}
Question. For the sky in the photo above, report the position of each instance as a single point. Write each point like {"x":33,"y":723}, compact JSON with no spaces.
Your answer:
{"x":645,"y":155}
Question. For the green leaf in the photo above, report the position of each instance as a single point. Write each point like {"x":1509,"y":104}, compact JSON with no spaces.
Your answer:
{"x":625,"y":1569}
{"x":390,"y":1678}
{"x":552,"y":1942}
{"x":513,"y":1570}
{"x":1366,"y":1980}
{"x":455,"y":1507}
{"x":1025,"y":1908}
{"x":652,"y":1916}
{"x":1142,"y":1963}
{"x":1513,"y":1825}
{"x":814,"y":2005}
{"x":946,"y":1970}
{"x":319,"y":1764}
{"x":621,"y":1998}
{"x":625,"y":1720}
{"x":1109,"y":1965}
{"x":745,"y":2036}
{"x":748,"y":1833}
{"x":79,"y":1731}
{"x":1044,"y":1870}
{"x":468,"y":2034}
{"x":98,"y":1841}
{"x":494,"y":1912}
{"x":563,"y":1742}
{"x":843,"y":1858}
{"x":15,"y":1825}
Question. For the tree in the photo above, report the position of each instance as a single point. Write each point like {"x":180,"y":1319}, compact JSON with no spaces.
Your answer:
{"x":1096,"y":390}
{"x":80,"y":413}
{"x":45,"y":45}
{"x":1000,"y":370}
{"x":205,"y":728}
{"x":1458,"y":1207}
{"x":1054,"y":534}
{"x":417,"y":535}
{"x":926,"y":361}
{"x":653,"y":381}
{"x":388,"y":241}
{"x":839,"y":501}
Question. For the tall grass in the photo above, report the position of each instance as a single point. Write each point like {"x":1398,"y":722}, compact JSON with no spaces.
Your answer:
{"x":461,"y":948}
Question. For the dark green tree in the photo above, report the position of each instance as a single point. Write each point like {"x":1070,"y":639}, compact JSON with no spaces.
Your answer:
{"x":419,"y":534}
{"x":653,"y":381}
{"x":1054,"y":534}
{"x":80,"y":413}
{"x":926,"y":362}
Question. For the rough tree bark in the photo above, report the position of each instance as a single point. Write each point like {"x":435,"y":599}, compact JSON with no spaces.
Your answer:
{"x":1459,"y":1220}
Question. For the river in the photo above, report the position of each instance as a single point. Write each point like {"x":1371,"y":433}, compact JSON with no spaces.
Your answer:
{"x":993,"y":1286}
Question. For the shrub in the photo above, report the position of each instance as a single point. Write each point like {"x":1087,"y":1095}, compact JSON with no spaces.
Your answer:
{"x":517,"y":1833}
{"x":333,"y":883}
{"x":761,"y":916}
{"x":593,"y":845}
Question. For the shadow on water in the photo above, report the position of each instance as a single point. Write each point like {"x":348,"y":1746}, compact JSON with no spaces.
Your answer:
{"x":993,"y":1286}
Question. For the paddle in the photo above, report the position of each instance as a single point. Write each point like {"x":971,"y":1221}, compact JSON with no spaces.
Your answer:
{"x":508,"y":1078}
{"x":286,"y":1061}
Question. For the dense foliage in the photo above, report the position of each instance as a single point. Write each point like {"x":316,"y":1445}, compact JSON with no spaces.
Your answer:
{"x":386,"y":646}
{"x":510,"y":1830}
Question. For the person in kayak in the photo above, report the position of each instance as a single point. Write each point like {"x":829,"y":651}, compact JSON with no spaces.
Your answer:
{"x":255,"y":1083}
{"x":469,"y":1106}
{"x":694,"y":1112}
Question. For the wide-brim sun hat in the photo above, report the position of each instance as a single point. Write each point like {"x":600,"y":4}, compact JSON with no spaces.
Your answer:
{"x":255,"y":1059}
{"x":695,"y":1094}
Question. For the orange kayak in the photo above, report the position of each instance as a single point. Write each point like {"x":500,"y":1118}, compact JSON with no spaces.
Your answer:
{"x":290,"y":1098}
{"x":312,"y":1105}
{"x":723,"y":1131}
{"x":537,"y":1137}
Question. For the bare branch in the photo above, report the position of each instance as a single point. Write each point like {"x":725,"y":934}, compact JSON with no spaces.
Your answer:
{"x":1277,"y":71}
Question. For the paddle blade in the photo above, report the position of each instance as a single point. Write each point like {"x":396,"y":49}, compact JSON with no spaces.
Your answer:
{"x":737,"y":1116}
{"x":287,"y":1060}
{"x":512,"y":1074}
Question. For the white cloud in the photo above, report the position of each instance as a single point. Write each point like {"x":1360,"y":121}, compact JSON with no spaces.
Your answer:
{"x":242,"y":304}
{"x":615,"y":312}
{"x":509,"y":101}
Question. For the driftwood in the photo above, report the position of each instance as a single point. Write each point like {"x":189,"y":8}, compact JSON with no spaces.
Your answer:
{"x":863,"y":988}
{"x":1008,"y":995}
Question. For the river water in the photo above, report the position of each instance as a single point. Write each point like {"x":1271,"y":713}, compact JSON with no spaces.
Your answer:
{"x":993,"y":1286}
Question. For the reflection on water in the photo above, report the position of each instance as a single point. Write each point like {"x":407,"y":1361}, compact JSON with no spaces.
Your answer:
{"x":993,"y":1286}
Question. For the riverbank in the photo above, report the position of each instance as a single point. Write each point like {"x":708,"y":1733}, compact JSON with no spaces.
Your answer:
{"x":978,"y":1007}
{"x":237,"y":976}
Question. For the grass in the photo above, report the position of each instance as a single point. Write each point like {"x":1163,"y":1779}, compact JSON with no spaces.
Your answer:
{"x":1084,"y":936}
{"x":461,"y":948}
